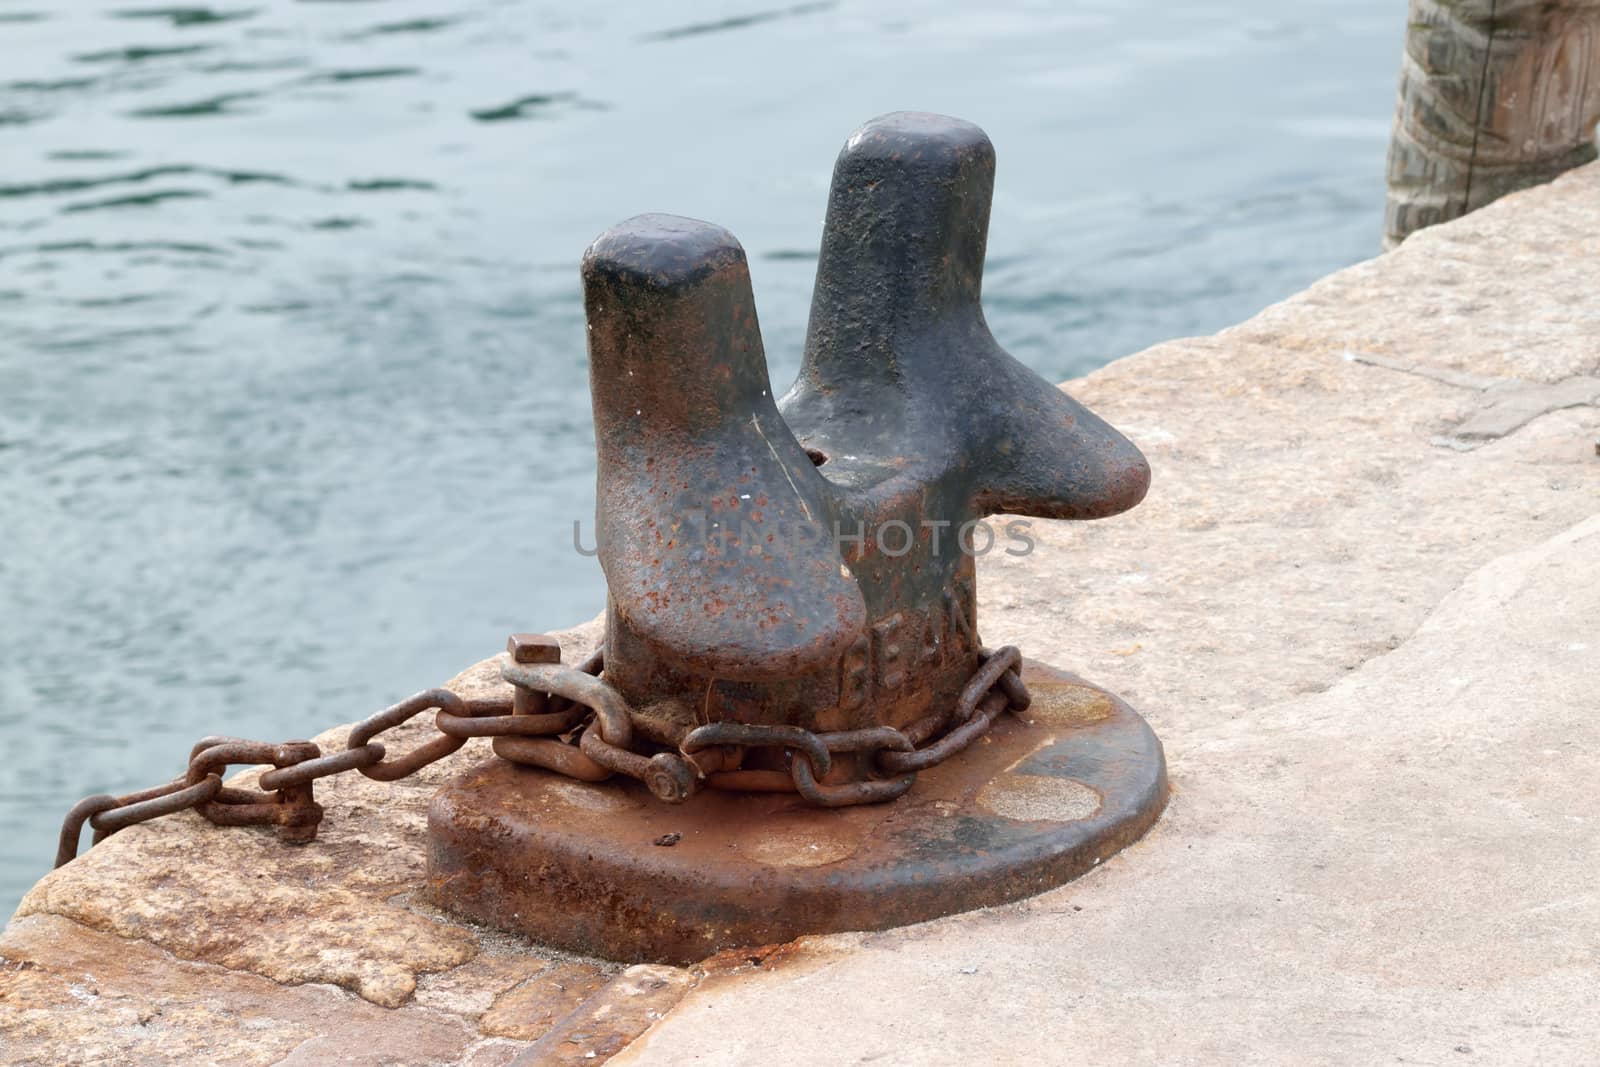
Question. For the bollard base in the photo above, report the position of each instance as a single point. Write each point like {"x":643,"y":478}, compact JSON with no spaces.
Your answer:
{"x":1043,"y":798}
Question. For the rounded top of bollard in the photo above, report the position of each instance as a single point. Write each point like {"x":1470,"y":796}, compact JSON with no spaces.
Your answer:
{"x":661,"y":251}
{"x":918,"y":137}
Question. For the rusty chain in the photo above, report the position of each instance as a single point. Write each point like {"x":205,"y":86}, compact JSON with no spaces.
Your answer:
{"x":568,"y":720}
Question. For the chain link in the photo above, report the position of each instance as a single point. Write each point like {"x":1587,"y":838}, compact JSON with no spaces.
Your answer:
{"x":568,"y":720}
{"x":993,"y":689}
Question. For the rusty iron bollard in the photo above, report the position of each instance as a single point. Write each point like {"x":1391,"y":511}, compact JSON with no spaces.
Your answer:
{"x":791,"y":623}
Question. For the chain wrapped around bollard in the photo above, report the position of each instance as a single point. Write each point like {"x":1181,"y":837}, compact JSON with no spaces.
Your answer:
{"x":792,"y":726}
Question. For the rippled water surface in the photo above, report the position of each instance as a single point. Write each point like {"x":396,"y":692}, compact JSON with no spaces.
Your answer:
{"x":295,"y":418}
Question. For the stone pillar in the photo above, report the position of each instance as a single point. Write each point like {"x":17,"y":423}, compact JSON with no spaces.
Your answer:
{"x":1495,"y":96}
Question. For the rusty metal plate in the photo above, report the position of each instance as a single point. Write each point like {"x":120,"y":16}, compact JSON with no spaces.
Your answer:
{"x":607,"y":869}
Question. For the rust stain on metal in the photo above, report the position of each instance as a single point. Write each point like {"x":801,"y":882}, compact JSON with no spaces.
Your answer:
{"x":791,"y":625}
{"x":533,"y":648}
{"x":792,"y":725}
{"x":795,"y":563}
{"x":782,"y":846}
{"x":592,"y":880}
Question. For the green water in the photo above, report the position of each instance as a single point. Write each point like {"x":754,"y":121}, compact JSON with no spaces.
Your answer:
{"x":293,"y":409}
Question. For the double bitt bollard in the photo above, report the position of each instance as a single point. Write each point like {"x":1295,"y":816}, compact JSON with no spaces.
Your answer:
{"x":801,"y":728}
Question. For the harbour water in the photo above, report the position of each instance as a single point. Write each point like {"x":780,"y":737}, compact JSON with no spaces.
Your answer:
{"x":293,"y":402}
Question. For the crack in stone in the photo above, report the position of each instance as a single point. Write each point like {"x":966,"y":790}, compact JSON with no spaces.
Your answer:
{"x":1515,"y":404}
{"x":1510,"y":403}
{"x":1458,"y":378}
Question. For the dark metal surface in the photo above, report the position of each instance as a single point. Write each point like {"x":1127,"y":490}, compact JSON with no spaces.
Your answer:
{"x":1046,"y":795}
{"x":768,"y":651}
{"x":797,"y":563}
{"x":726,"y":754}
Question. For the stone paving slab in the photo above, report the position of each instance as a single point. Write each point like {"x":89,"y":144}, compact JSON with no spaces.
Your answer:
{"x":1366,"y":636}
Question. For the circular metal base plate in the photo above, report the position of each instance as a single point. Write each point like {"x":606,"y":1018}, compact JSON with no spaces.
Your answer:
{"x":1043,"y":798}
